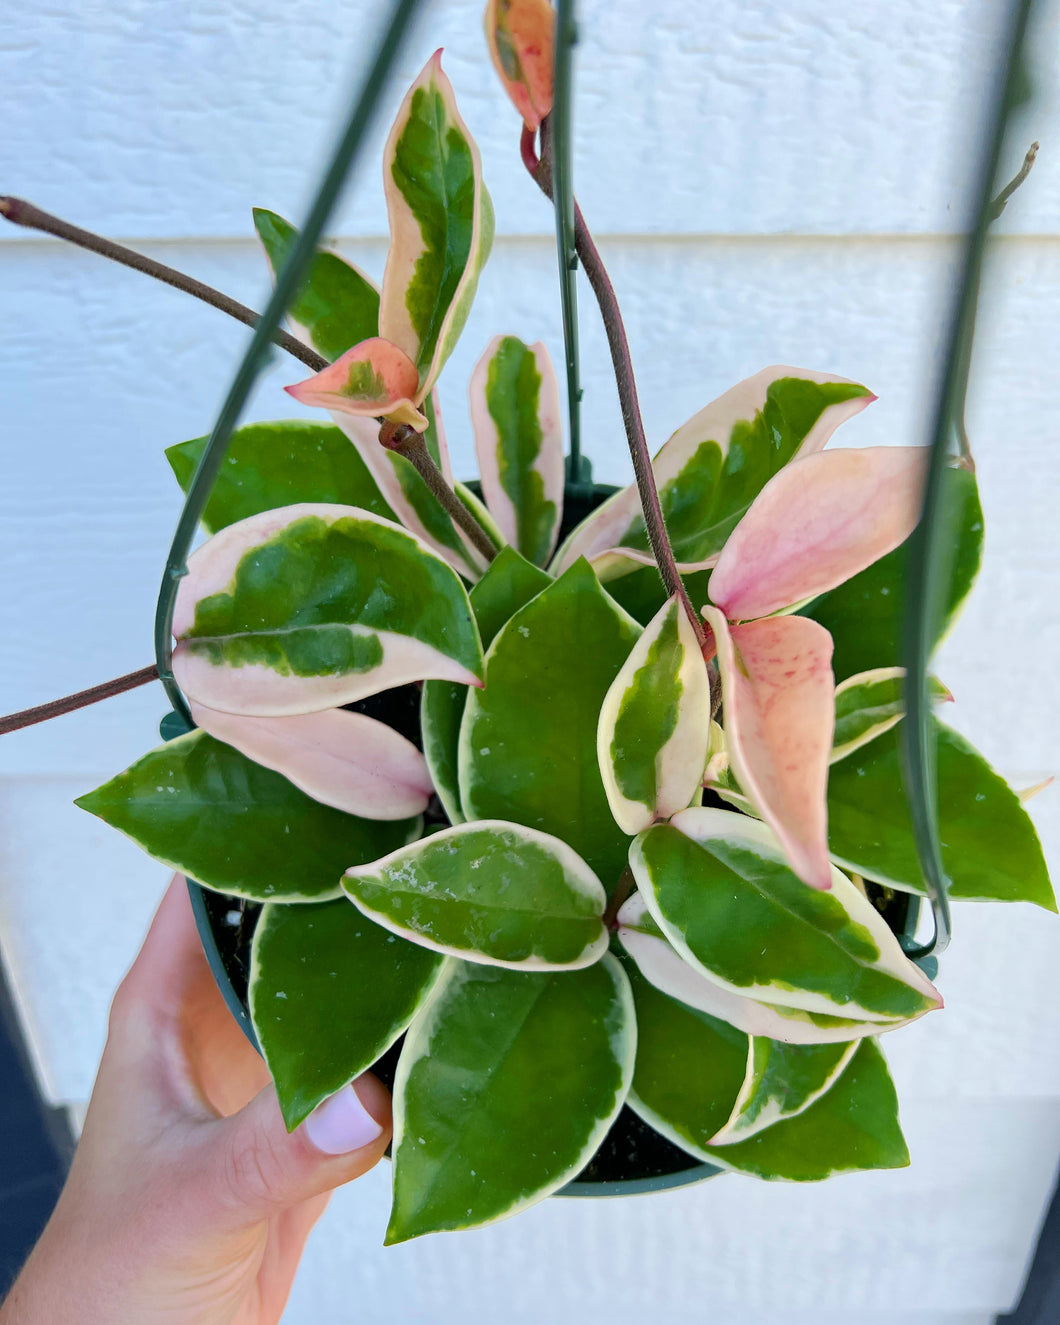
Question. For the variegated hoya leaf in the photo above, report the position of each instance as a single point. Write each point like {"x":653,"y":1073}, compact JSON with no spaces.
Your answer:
{"x":782,"y":1081}
{"x":871,"y":703}
{"x":717,"y":885}
{"x":488,"y":892}
{"x":712,"y":468}
{"x":507,"y":1083}
{"x":816,"y":523}
{"x":267,"y":465}
{"x":337,"y":306}
{"x":415,"y":505}
{"x":313,"y":606}
{"x":207,"y":811}
{"x":515,"y":414}
{"x":346,"y":760}
{"x":329,"y":993}
{"x":864,"y":615}
{"x":508,"y":584}
{"x":990,"y":849}
{"x":374,"y":378}
{"x":691,"y":1067}
{"x":441,"y":224}
{"x":661,"y":965}
{"x":778,"y":705}
{"x":654,"y":726}
{"x":528,"y":739}
{"x":521,"y":41}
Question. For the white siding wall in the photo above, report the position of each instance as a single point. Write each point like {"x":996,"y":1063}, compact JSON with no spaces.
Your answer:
{"x":770,"y":183}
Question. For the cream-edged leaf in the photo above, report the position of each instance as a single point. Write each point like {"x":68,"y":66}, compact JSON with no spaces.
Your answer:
{"x":441,"y":224}
{"x":515,"y":415}
{"x":654,"y":726}
{"x":312,"y":606}
{"x":719,"y":888}
{"x":871,"y":703}
{"x":489,"y":892}
{"x":782,"y":1081}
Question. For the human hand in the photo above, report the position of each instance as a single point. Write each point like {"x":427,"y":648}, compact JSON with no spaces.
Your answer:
{"x":188,"y":1202}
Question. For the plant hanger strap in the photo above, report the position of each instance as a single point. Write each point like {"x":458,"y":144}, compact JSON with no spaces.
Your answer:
{"x":288,"y":282}
{"x":929,"y":543}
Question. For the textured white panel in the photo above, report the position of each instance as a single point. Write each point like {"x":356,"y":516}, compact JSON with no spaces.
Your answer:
{"x":173,"y":120}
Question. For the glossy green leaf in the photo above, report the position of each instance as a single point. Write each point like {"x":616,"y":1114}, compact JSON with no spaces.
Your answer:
{"x":654,"y":724}
{"x":869,"y":704}
{"x":713,"y":467}
{"x":329,"y":993}
{"x":661,"y":965}
{"x":489,"y":892}
{"x":314,"y":606}
{"x":205,"y":810}
{"x":268,"y":465}
{"x":509,"y":584}
{"x":718,"y":886}
{"x":441,"y":224}
{"x":515,"y":414}
{"x":990,"y":849}
{"x":507,"y":1084}
{"x":337,"y":306}
{"x":690,"y":1069}
{"x":864,"y":615}
{"x":782,"y":1081}
{"x":528,"y":740}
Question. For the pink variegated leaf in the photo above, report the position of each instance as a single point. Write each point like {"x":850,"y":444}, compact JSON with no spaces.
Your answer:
{"x":521,"y":38}
{"x":346,"y":760}
{"x":619,"y":561}
{"x":441,"y":224}
{"x":778,"y":694}
{"x":714,"y":465}
{"x":373,"y":378}
{"x":816,"y":523}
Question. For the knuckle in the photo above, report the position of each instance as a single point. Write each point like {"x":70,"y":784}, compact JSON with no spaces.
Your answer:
{"x":254,"y":1171}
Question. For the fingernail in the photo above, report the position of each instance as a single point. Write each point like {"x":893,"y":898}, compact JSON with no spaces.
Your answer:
{"x":341,"y":1124}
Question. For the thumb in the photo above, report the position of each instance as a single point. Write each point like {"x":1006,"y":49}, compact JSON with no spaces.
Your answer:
{"x":257,"y":1169}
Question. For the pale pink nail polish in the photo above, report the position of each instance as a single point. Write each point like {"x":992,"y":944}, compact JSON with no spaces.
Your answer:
{"x":341,"y":1124}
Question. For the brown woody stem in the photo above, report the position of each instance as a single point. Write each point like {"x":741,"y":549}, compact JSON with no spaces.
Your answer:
{"x":57,"y":707}
{"x":406,"y":441}
{"x":625,"y":885}
{"x":626,"y":382}
{"x":20,"y":212}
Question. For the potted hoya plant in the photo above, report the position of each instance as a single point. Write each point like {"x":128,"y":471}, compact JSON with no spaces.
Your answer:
{"x":526,"y":788}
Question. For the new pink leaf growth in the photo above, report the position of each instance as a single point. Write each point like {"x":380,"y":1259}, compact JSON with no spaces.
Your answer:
{"x":521,"y":37}
{"x":816,"y":523}
{"x":374,"y":378}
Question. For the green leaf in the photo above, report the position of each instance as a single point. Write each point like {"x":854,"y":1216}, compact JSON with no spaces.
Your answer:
{"x":990,"y":849}
{"x":655,"y":724}
{"x":528,"y":740}
{"x":690,"y":1068}
{"x":515,"y":415}
{"x":488,"y":892}
{"x":507,"y":1084}
{"x":864,"y":615}
{"x":337,"y":306}
{"x":268,"y":465}
{"x":713,"y":467}
{"x":508,"y":584}
{"x":869,"y":704}
{"x":441,"y":224}
{"x":719,"y":888}
{"x":317,"y":606}
{"x":782,"y":1081}
{"x":329,"y":993}
{"x":207,"y":811}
